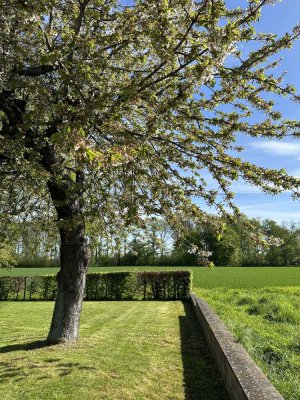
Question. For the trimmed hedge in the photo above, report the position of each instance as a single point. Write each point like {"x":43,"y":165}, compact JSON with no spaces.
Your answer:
{"x":121,"y":285}
{"x":28,"y":288}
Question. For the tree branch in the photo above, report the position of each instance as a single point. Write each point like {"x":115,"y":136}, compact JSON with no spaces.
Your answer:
{"x":36,"y":71}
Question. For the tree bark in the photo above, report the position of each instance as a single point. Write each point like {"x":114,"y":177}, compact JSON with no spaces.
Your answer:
{"x":74,"y":258}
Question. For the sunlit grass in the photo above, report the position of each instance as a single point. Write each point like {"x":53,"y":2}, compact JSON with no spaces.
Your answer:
{"x":229,"y":277}
{"x":260,"y":305}
{"x":127,"y":350}
{"x":267,"y":323}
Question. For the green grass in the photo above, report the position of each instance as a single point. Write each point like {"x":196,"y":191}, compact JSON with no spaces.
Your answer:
{"x":267,"y":323}
{"x":260,"y":305}
{"x":229,"y":277}
{"x":126,"y":351}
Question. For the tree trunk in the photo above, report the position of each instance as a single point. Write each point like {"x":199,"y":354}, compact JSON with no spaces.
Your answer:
{"x":74,"y":258}
{"x":67,"y":197}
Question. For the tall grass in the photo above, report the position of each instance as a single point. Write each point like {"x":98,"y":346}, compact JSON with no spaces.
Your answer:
{"x":266,"y":322}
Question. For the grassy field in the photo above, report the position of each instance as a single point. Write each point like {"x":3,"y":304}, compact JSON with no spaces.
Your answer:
{"x":267,"y":323}
{"x":229,"y":277}
{"x":126,"y":351}
{"x":260,"y":305}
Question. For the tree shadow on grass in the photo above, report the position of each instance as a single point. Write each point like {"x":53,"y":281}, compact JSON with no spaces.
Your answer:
{"x":37,"y":344}
{"x":201,"y":378}
{"x":41,"y":369}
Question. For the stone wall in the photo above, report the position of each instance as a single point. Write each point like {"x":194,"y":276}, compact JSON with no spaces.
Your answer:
{"x":242,"y":377}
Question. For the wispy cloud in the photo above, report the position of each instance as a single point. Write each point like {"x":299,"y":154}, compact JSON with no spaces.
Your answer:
{"x":276,"y":215}
{"x":296,"y":173}
{"x":265,"y":206}
{"x":241,"y":187}
{"x":279,"y":148}
{"x":278,"y":211}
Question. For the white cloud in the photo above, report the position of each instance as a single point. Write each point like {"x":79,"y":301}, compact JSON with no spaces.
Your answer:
{"x":276,"y":215}
{"x":240,"y":187}
{"x":283,"y":209}
{"x":279,"y":148}
{"x":268,"y":206}
{"x":296,"y":173}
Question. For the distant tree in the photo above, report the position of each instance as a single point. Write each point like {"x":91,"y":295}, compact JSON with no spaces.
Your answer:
{"x":251,"y":251}
{"x":7,"y":256}
{"x":222,"y":250}
{"x":104,"y":105}
{"x":225,"y":250}
{"x":287,"y":252}
{"x":156,"y":234}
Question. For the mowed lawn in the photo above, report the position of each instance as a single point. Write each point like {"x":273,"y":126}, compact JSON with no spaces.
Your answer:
{"x":260,"y":305}
{"x":227,"y":277}
{"x":127,"y":350}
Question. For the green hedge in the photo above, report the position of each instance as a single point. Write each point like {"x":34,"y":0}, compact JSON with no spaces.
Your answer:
{"x":135,"y":285}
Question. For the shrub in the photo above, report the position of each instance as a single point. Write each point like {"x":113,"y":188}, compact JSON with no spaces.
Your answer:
{"x":110,"y":286}
{"x":165,"y":284}
{"x":37,"y":262}
{"x":7,"y":256}
{"x":28,"y":288}
{"x":121,"y":285}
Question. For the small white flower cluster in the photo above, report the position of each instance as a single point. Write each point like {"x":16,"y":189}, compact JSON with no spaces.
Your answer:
{"x":205,"y":262}
{"x":193,"y":249}
{"x":202,"y":255}
{"x":264,"y":241}
{"x":273,"y":241}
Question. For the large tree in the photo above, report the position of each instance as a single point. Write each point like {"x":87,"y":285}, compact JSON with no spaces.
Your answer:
{"x":112,"y":110}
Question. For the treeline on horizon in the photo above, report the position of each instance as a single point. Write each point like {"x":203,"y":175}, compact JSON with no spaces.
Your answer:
{"x":35,"y":246}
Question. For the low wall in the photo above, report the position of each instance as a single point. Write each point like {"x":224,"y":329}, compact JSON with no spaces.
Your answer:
{"x":242,"y":377}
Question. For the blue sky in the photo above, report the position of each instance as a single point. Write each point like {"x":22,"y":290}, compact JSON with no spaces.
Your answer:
{"x":274,"y":154}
